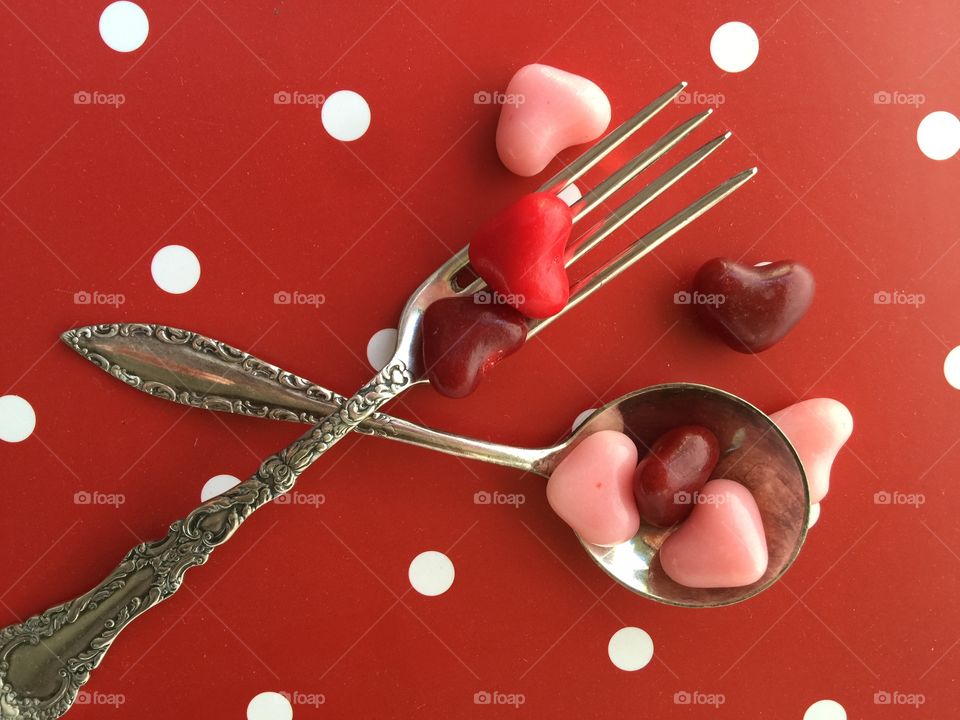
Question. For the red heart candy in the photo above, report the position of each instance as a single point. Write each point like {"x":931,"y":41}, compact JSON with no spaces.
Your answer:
{"x":752,"y":308}
{"x":520,"y":253}
{"x":462,"y":339}
{"x":675,"y":469}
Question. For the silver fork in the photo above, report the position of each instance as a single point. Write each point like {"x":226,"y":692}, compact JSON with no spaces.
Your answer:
{"x":46,"y":659}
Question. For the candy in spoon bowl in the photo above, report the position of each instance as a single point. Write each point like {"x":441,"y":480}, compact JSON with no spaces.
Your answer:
{"x":753,"y":452}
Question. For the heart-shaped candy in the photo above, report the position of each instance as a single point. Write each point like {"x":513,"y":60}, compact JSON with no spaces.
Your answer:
{"x":752,"y":308}
{"x":520,"y":254}
{"x":678,"y":464}
{"x":818,"y":428}
{"x":462,"y":339}
{"x":592,"y":488}
{"x":545,"y":111}
{"x":721,"y":544}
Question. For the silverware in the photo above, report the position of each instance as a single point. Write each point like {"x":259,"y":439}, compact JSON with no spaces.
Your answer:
{"x":191,"y":369}
{"x":46,"y":659}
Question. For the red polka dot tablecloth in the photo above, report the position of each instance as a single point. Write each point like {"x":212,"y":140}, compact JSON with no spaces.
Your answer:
{"x":281,"y":175}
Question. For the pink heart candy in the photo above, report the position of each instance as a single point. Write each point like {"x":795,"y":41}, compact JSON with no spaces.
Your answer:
{"x":545,"y":111}
{"x":818,"y":428}
{"x":592,"y":488}
{"x":721,"y":544}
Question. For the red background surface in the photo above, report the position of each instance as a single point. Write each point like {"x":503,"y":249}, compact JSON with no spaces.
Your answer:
{"x":317,"y":600}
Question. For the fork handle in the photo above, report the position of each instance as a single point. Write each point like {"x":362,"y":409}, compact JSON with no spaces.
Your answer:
{"x":46,"y":659}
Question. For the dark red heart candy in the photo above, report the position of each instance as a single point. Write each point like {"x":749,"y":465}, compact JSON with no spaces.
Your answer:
{"x":520,"y":254}
{"x":752,"y":308}
{"x":670,"y":475}
{"x":462,"y":339}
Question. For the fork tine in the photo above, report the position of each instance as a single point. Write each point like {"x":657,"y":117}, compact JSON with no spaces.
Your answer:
{"x":636,"y":166}
{"x":572,"y":172}
{"x":641,"y":199}
{"x":586,"y":287}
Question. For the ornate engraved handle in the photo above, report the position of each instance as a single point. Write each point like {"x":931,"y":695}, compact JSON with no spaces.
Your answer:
{"x":46,"y":659}
{"x":185,"y":367}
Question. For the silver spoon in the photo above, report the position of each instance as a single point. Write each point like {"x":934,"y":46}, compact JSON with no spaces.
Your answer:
{"x":195,"y":370}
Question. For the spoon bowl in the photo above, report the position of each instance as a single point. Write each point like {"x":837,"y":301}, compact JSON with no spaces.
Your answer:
{"x":753,"y":452}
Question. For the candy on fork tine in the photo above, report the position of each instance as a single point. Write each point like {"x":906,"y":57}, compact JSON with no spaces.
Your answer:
{"x":47,"y":658}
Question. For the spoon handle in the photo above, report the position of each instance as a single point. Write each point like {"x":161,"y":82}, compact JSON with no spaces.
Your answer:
{"x":185,"y":367}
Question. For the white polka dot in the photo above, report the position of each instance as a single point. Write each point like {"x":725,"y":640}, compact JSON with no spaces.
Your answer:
{"x":630,"y":648}
{"x":175,"y":269}
{"x":381,"y":346}
{"x":814,"y":515}
{"x":825,"y":710}
{"x":431,"y":573}
{"x":951,"y":367}
{"x":345,"y":115}
{"x":124,"y":26}
{"x":570,"y":194}
{"x":269,"y":706}
{"x":579,"y":419}
{"x":17,"y":418}
{"x":734,"y":47}
{"x":938,"y":135}
{"x":217,"y":485}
